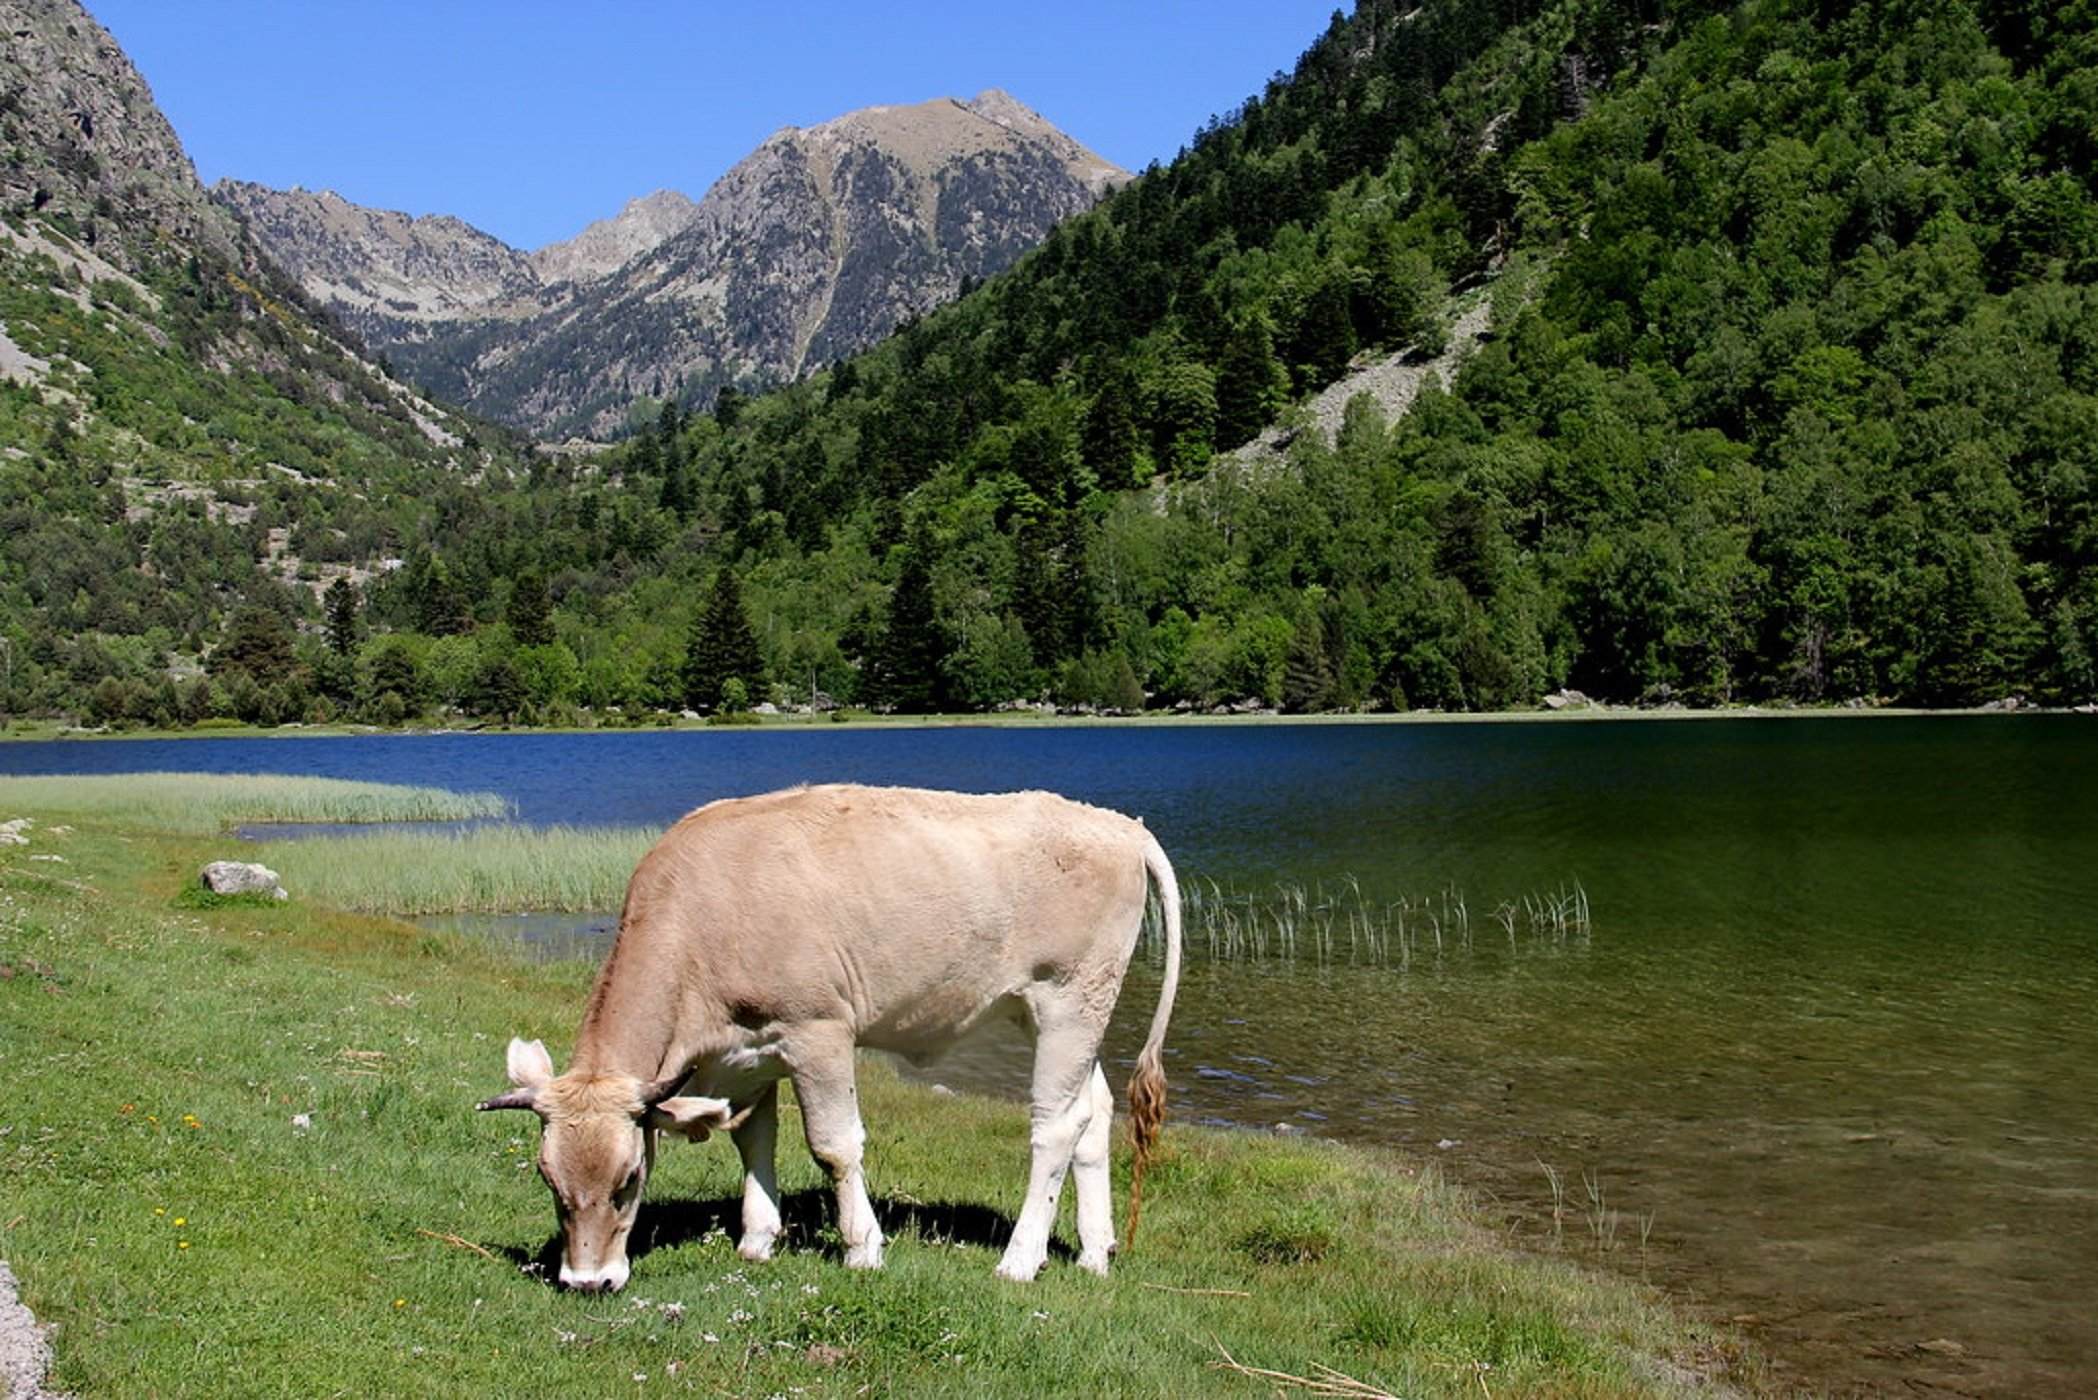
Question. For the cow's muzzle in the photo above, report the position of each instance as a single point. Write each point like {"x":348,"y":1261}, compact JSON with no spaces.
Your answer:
{"x":609,"y":1279}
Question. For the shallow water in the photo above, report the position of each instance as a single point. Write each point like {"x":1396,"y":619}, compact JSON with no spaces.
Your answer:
{"x":1827,"y":1052}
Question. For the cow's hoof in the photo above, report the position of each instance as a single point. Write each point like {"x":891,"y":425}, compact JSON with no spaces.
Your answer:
{"x":864,"y":1256}
{"x":755,"y":1248}
{"x":1093,"y":1264}
{"x":1018,"y":1271}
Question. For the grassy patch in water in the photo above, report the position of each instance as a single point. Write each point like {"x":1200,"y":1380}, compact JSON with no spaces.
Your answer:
{"x":206,"y":802}
{"x":188,"y":1234}
{"x":483,"y":870}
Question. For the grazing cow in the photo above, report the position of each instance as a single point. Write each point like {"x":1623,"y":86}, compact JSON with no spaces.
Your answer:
{"x":767,"y":937}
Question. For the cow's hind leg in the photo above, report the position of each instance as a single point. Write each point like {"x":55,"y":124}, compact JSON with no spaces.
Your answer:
{"x":1064,"y":1053}
{"x":830,"y":1111}
{"x":755,"y":1141}
{"x":1096,"y":1215}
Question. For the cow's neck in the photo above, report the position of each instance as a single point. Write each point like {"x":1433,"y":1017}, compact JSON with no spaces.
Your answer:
{"x":638,"y":1020}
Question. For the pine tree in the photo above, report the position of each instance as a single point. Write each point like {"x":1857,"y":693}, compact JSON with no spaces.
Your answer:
{"x":722,"y":647}
{"x":342,"y":617}
{"x":259,"y":644}
{"x":1107,"y":439}
{"x":904,"y":669}
{"x":530,"y":612}
{"x":1307,"y":675}
{"x":1249,"y":384}
{"x":1324,"y":340}
{"x":436,"y":605}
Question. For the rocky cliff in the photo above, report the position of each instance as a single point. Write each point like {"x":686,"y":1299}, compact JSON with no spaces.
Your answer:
{"x":817,"y":244}
{"x":135,"y":310}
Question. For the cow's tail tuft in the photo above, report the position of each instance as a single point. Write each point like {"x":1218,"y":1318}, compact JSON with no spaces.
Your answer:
{"x":1147,"y":1087}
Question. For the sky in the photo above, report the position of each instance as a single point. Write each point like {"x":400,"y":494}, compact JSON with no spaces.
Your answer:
{"x":530,"y":119}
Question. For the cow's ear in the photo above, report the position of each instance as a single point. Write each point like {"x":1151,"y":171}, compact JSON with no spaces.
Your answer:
{"x":692,"y":1116}
{"x":530,"y":1067}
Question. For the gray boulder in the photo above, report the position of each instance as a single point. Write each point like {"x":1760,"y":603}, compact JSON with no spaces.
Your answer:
{"x":241,"y":877}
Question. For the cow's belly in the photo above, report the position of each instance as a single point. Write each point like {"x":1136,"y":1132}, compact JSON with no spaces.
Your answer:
{"x":930,"y":1026}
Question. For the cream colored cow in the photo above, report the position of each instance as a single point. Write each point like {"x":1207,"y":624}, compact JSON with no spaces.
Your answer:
{"x":768,"y":937}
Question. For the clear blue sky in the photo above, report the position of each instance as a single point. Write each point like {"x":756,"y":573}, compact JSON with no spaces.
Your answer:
{"x":530,"y":118}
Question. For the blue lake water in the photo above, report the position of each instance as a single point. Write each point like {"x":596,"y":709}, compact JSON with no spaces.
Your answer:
{"x":1829,"y":1051}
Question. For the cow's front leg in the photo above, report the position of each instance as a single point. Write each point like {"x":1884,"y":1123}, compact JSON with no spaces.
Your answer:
{"x":754,"y":1144}
{"x":830,"y":1113}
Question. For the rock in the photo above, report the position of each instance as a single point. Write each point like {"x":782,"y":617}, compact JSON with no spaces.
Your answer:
{"x":942,"y":1091}
{"x":241,"y":877}
{"x":1942,"y":1346}
{"x":1447,"y":1143}
{"x":1567,"y":700}
{"x":11,"y":831}
{"x":764,"y":707}
{"x":300,"y":1122}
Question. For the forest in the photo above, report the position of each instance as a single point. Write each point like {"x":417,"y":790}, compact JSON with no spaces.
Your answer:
{"x":1789,"y":394}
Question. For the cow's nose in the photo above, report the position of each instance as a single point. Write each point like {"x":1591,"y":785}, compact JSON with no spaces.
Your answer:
{"x":594,"y":1280}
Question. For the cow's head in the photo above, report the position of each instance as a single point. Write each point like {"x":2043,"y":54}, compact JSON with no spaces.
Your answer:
{"x":596,"y":1150}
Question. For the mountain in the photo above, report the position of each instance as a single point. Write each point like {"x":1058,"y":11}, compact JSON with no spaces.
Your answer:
{"x":814,"y":246}
{"x":182,"y":434}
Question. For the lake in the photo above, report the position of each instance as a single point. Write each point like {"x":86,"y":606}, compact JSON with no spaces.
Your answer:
{"x":1824,"y":1062}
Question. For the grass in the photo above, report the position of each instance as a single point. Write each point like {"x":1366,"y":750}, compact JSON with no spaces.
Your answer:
{"x":187,"y":1236}
{"x":1339,"y":924}
{"x":483,"y":870}
{"x":207,"y":802}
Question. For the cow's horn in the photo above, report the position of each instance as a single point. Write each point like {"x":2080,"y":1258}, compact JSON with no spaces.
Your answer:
{"x":516,"y":1098}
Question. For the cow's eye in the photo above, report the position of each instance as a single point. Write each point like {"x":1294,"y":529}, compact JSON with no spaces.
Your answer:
{"x":632,"y":1182}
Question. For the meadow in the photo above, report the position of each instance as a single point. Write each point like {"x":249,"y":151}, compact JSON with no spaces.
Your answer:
{"x":239,"y":1157}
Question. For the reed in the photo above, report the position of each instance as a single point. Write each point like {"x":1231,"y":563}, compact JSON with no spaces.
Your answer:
{"x":202,"y":803}
{"x":1337,"y":923}
{"x":501,"y":869}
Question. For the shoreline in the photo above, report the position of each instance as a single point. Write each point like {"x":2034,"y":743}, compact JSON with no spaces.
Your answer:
{"x":43,"y":732}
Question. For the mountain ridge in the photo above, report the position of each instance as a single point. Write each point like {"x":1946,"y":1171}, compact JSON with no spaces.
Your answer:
{"x":813,"y":246}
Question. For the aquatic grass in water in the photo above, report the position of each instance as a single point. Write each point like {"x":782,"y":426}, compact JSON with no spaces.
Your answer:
{"x":484,"y":870}
{"x":1339,"y":924}
{"x":203,"y":803}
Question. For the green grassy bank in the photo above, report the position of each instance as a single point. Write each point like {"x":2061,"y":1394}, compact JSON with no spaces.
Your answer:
{"x":186,"y":1236}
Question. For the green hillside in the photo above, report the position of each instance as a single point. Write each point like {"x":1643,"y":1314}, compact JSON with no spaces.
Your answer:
{"x":1788,"y":394}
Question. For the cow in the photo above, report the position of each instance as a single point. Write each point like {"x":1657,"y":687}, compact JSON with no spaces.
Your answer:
{"x":769,"y":937}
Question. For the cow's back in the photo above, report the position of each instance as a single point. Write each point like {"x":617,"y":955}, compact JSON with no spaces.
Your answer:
{"x":906,"y":911}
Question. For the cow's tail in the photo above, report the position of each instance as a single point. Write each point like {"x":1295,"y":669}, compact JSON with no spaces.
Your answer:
{"x":1147,"y":1087}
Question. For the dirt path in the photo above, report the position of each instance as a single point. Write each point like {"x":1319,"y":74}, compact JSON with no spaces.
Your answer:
{"x":24,"y":1354}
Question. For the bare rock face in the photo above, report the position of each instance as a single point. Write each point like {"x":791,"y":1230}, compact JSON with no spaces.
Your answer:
{"x":85,"y":144}
{"x":373,"y":265}
{"x":241,"y":877}
{"x":816,"y":245}
{"x":98,"y":191}
{"x":610,"y":244}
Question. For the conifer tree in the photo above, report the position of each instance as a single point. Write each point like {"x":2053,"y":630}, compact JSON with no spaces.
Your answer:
{"x":342,"y":617}
{"x":904,"y":668}
{"x":722,"y":647}
{"x":1249,"y":383}
{"x":531,"y":610}
{"x":1107,"y":438}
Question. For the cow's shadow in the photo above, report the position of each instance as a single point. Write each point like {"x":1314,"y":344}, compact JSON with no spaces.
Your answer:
{"x":806,"y":1217}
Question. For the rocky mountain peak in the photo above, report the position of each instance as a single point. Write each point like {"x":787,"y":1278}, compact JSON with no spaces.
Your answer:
{"x":814,"y":246}
{"x":610,"y":244}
